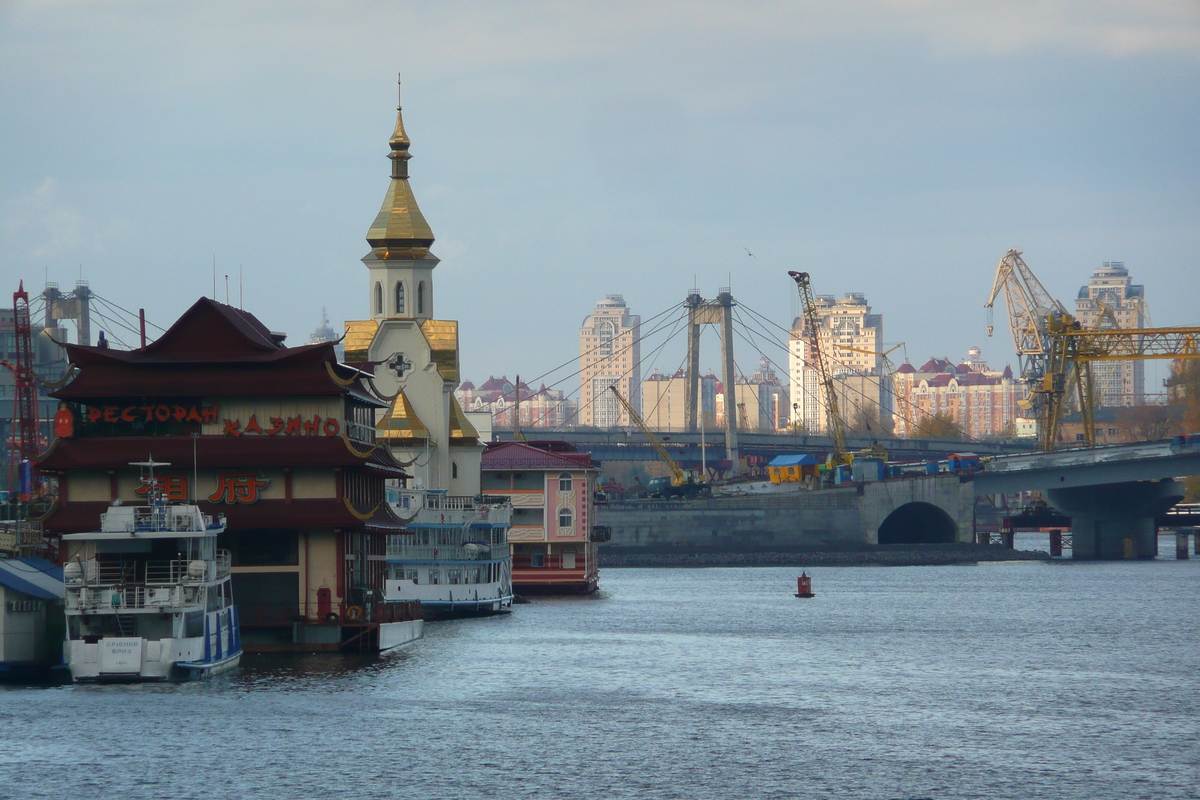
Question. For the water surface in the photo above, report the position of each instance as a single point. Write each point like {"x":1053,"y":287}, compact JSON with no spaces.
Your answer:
{"x":1013,"y":680}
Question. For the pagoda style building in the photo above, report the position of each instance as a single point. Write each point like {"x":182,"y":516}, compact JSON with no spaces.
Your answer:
{"x":280,"y":440}
{"x":413,"y":355}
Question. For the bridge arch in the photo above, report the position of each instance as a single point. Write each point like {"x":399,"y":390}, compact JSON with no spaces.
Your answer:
{"x":918,"y":523}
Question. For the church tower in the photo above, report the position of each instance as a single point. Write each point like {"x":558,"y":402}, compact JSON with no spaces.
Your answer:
{"x":400,"y":264}
{"x":412,"y":355}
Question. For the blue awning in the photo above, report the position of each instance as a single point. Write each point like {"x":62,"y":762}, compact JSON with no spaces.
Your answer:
{"x":805,"y":460}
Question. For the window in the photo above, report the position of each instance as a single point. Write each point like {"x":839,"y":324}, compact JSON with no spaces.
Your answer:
{"x":564,"y":482}
{"x":565,"y":518}
{"x":421,"y":297}
{"x":537,"y":558}
{"x":454,"y":470}
{"x":399,"y":297}
{"x":379,"y":299}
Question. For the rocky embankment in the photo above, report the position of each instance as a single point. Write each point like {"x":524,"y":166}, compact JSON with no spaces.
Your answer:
{"x":879,"y":556}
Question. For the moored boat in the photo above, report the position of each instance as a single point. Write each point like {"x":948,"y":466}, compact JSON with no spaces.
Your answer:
{"x":455,"y":558}
{"x":148,"y":595}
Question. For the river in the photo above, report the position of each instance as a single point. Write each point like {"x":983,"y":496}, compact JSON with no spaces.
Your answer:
{"x":1007,"y":680}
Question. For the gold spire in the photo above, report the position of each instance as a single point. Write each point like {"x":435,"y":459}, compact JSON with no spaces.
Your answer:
{"x":400,"y":230}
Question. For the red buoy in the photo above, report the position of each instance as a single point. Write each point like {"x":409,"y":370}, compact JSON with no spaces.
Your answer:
{"x":804,"y":586}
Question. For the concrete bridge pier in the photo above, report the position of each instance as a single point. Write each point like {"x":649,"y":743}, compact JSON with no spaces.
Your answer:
{"x":1104,"y":517}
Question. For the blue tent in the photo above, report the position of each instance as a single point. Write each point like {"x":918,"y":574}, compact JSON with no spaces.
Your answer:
{"x":805,"y":460}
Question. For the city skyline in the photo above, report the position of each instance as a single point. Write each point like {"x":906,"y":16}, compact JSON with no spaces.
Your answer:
{"x":898,"y":151}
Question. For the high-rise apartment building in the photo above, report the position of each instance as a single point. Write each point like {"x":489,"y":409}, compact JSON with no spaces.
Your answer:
{"x":1111,"y":299}
{"x":850,"y":338}
{"x":609,"y":354}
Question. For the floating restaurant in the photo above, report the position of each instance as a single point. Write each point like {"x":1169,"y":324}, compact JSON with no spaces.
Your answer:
{"x":280,"y":440}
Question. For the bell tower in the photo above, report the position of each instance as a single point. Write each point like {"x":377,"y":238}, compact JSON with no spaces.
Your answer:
{"x":400,"y":264}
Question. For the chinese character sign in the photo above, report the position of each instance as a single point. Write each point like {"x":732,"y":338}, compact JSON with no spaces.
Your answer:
{"x":173,"y":486}
{"x":240,"y":487}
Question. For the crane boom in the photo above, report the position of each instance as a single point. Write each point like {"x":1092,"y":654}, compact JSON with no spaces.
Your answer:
{"x":809,"y":308}
{"x":678,"y":476}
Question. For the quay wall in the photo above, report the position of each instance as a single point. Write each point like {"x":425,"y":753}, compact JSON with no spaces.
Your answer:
{"x":796,"y":520}
{"x":838,"y":517}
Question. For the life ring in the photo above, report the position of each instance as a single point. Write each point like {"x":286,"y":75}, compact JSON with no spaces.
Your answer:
{"x":354,"y":613}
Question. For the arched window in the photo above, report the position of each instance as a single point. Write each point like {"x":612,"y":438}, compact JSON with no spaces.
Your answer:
{"x":454,"y":470}
{"x":565,"y":518}
{"x":379,"y":299}
{"x":399,"y":297}
{"x":564,"y":481}
{"x":421,"y":297}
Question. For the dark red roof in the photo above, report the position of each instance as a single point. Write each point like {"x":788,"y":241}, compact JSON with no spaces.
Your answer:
{"x":116,"y":452}
{"x":80,"y":517}
{"x":906,"y":369}
{"x":521,"y":456}
{"x":212,"y":350}
{"x":935,"y":365}
{"x":941,"y":379}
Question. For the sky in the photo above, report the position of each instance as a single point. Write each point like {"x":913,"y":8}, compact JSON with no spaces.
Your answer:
{"x":563,"y":151}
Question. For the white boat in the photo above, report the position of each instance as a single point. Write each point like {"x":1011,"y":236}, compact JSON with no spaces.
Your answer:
{"x":455,"y":558}
{"x":148,"y":596}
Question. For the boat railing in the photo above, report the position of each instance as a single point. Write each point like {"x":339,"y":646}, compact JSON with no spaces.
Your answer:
{"x":178,"y":571}
{"x":154,"y":518}
{"x":133,"y":596}
{"x":407,"y":552}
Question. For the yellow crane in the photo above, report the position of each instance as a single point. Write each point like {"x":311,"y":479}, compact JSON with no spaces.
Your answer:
{"x":888,"y":371}
{"x":1073,"y":350}
{"x":1056,"y":352}
{"x":1029,"y":307}
{"x":837,"y":431}
{"x":683,"y":482}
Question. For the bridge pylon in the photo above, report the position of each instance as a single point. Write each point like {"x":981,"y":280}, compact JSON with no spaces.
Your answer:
{"x":719,"y":313}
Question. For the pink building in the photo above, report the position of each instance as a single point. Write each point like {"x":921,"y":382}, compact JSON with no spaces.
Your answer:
{"x":541,"y":408}
{"x":980,"y":402}
{"x":553,"y":492}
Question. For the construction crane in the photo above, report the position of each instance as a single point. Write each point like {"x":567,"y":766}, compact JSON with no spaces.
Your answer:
{"x":1056,"y":352}
{"x":682,"y":483}
{"x":888,"y":371}
{"x":838,"y":455}
{"x":25,"y":412}
{"x":1072,"y":351}
{"x":1029,"y":306}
